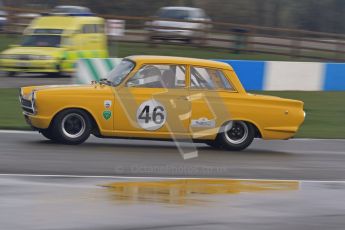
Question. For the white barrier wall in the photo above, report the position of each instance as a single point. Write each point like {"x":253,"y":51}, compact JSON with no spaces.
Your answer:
{"x":293,"y":76}
{"x":254,"y":75}
{"x":93,"y":69}
{"x":278,"y":75}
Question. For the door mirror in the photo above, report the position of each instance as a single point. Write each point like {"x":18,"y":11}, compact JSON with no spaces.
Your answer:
{"x":130,"y":84}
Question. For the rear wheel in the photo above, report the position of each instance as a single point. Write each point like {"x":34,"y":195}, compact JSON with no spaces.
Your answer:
{"x":188,"y":40}
{"x":235,"y":135}
{"x":72,"y":126}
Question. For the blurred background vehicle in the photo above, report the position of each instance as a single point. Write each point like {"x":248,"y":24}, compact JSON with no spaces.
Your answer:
{"x":252,"y":29}
{"x":71,"y":10}
{"x":3,"y":19}
{"x":179,"y":23}
{"x":53,"y":43}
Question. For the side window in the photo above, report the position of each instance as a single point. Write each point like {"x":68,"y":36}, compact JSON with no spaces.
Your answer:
{"x":202,"y":14}
{"x":196,"y":14}
{"x":159,"y":76}
{"x":206,"y":78}
{"x":99,"y":28}
{"x":88,"y":29}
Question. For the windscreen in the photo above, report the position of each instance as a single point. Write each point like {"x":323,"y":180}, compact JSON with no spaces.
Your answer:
{"x":120,"y":72}
{"x":42,"y":41}
{"x":173,"y":14}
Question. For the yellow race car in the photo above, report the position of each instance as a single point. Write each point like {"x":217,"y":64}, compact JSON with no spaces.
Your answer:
{"x":166,"y":98}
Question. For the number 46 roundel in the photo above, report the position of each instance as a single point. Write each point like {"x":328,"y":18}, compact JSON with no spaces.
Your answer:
{"x":151,"y":115}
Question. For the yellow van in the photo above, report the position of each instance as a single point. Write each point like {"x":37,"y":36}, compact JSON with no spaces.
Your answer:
{"x":53,"y":43}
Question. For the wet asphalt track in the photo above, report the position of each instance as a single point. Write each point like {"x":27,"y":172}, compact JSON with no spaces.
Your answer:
{"x":298,"y":159}
{"x":128,"y":204}
{"x":312,"y":197}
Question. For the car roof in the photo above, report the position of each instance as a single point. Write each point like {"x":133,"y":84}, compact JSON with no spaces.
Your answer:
{"x":70,"y":7}
{"x":64,"y":22}
{"x":152,"y":59}
{"x":180,"y":8}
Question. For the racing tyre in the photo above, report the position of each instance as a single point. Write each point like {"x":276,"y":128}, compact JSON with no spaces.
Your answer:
{"x":212,"y":144}
{"x":11,"y":74}
{"x":55,"y":74}
{"x":48,"y":134}
{"x":235,"y":135}
{"x":72,"y":126}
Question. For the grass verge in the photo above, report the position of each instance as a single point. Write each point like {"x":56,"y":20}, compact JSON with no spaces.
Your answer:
{"x":11,"y":116}
{"x":325,"y":112}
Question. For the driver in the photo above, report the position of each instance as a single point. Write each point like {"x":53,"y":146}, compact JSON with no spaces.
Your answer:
{"x":150,"y":76}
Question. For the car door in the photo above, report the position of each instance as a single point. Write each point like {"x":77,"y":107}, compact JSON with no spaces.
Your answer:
{"x":153,"y":103}
{"x":210,"y":96}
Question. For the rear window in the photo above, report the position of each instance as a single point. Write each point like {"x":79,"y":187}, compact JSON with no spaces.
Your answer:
{"x":206,"y":78}
{"x":173,"y":14}
{"x":88,"y":29}
{"x":93,"y":28}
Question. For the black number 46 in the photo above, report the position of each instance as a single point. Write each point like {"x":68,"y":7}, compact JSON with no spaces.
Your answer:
{"x":157,"y":114}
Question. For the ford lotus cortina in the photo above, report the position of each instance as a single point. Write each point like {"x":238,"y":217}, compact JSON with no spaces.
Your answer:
{"x":165,"y":98}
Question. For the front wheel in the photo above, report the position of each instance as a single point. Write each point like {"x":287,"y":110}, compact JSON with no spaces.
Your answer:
{"x":235,"y":135}
{"x":54,"y":74}
{"x":11,"y":74}
{"x":47,"y":133}
{"x":212,"y":144}
{"x":72,"y":126}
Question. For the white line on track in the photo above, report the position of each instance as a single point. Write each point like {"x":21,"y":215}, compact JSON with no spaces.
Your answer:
{"x":17,"y":132}
{"x":292,"y":139}
{"x":163,"y":178}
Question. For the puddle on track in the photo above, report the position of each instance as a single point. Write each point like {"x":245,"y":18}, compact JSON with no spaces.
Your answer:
{"x":190,"y":191}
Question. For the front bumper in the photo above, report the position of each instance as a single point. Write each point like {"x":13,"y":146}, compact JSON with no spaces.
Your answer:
{"x":30,"y":113}
{"x":37,"y":122}
{"x":30,"y":66}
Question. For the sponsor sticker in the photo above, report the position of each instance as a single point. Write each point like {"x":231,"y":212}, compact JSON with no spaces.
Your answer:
{"x":107,"y":114}
{"x":203,"y":123}
{"x":107,"y":104}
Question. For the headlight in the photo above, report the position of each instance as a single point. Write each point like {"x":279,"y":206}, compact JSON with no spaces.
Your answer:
{"x":40,"y":57}
{"x":8,"y":56}
{"x":46,"y":57}
{"x":21,"y":93}
{"x":33,"y":101}
{"x":33,"y":95}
